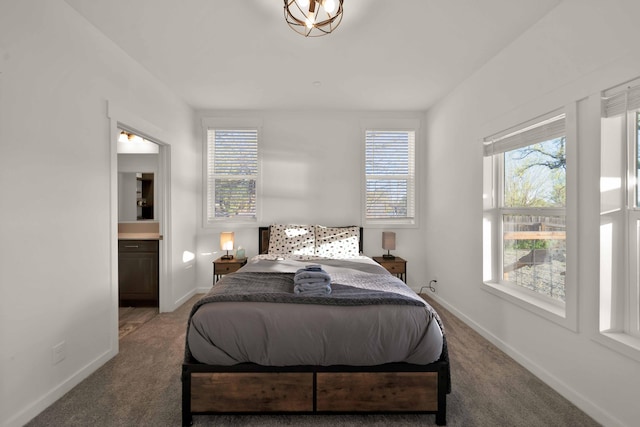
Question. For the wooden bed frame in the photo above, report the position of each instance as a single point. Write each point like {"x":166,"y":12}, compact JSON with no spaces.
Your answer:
{"x":248,"y":388}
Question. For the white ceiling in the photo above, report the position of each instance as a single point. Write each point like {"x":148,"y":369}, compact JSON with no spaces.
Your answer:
{"x":240,"y":54}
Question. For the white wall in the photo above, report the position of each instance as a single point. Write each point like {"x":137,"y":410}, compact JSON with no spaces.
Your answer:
{"x":57,"y":74}
{"x":138,"y":163}
{"x":580,"y":48}
{"x":311,"y":173}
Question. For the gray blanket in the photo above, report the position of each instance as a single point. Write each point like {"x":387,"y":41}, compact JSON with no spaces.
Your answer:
{"x":278,"y":288}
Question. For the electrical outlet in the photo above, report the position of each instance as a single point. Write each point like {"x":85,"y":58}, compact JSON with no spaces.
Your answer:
{"x":58,"y":352}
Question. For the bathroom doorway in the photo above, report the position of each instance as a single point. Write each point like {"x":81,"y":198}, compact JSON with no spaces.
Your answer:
{"x":139,"y":210}
{"x":151,"y":204}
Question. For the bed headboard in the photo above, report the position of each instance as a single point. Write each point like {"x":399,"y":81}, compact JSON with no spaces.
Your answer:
{"x":263,"y":240}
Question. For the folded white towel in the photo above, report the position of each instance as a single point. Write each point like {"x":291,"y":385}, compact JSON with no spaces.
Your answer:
{"x":310,"y":276}
{"x":311,"y":289}
{"x":312,"y":280}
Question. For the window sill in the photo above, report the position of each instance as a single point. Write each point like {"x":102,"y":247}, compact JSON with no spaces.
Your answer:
{"x":229,"y":222}
{"x":552,"y":312}
{"x":623,"y":343}
{"x":387,"y":223}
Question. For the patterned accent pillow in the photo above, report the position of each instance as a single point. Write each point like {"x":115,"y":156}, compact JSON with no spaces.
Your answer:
{"x":337,"y":242}
{"x":292,"y":239}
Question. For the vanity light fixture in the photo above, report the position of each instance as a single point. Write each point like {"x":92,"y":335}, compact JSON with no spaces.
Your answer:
{"x":313,"y":18}
{"x":129,"y":137}
{"x":124,"y":137}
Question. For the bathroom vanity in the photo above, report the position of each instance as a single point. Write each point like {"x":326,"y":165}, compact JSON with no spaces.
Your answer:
{"x":138,"y":264}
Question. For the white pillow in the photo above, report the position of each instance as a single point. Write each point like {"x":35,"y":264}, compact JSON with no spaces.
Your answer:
{"x":337,"y":242}
{"x":292,"y":239}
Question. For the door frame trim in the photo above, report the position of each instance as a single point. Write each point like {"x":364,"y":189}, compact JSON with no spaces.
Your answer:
{"x":121,"y":118}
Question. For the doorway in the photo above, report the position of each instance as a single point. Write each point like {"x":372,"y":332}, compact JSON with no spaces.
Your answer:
{"x":152,"y":207}
{"x":139,"y":236}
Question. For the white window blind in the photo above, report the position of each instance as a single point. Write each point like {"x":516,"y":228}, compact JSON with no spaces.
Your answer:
{"x":621,"y":99}
{"x":232,"y":171}
{"x":542,"y":129}
{"x":390,"y":174}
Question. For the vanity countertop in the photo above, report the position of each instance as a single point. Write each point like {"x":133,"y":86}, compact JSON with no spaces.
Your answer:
{"x":139,"y":236}
{"x":139,"y":230}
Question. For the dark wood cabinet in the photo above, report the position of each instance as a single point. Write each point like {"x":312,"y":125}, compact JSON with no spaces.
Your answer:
{"x":138,"y":272}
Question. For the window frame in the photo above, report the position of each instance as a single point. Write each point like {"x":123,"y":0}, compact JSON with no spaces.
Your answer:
{"x":633,"y":223}
{"x":392,"y":125}
{"x":212,"y":124}
{"x":619,"y":284}
{"x":564,"y":314}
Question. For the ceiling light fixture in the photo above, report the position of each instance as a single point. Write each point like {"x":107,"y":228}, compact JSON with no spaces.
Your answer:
{"x":313,"y":18}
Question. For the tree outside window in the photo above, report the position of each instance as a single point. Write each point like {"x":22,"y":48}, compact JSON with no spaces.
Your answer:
{"x":533,"y":219}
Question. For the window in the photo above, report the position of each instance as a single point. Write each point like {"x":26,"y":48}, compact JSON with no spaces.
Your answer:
{"x":533,"y":220}
{"x":620,"y":215}
{"x":232,"y":174}
{"x":390,"y":176}
{"x":525,"y":231}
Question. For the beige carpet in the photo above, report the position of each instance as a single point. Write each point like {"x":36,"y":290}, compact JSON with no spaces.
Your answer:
{"x":141,"y":387}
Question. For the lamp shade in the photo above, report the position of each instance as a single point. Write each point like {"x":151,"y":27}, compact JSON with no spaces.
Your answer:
{"x":226,"y":240}
{"x":388,"y":240}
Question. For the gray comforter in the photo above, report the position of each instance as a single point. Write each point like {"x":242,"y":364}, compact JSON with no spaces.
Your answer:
{"x":370,"y":318}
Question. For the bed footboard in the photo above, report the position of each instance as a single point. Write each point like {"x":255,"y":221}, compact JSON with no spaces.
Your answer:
{"x":249,"y":388}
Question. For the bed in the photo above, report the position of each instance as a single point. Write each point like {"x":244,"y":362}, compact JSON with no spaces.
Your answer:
{"x":372,"y":345}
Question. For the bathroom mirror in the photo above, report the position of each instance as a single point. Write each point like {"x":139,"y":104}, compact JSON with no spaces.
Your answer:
{"x":135,"y":196}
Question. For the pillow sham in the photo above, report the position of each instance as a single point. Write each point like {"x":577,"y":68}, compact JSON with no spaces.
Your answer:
{"x":337,"y":242}
{"x":292,"y":239}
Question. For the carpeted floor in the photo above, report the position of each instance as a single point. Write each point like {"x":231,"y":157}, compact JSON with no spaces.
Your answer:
{"x":141,"y":387}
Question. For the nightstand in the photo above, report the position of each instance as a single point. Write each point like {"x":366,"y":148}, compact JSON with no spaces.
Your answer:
{"x":396,"y":266}
{"x":226,"y":266}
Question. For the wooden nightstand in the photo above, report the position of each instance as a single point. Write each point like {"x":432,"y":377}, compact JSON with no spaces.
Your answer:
{"x":226,"y":266}
{"x":396,"y":266}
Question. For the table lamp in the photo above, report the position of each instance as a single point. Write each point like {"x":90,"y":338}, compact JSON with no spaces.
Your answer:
{"x":226,"y":243}
{"x":388,"y":243}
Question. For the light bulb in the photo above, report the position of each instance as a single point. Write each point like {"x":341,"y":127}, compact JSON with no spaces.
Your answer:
{"x":303,"y":4}
{"x":123,"y":137}
{"x":330,"y":6}
{"x":309,"y":21}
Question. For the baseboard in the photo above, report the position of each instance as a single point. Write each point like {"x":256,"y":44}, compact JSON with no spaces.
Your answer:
{"x":35,"y":408}
{"x":186,"y":298}
{"x":586,"y":405}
